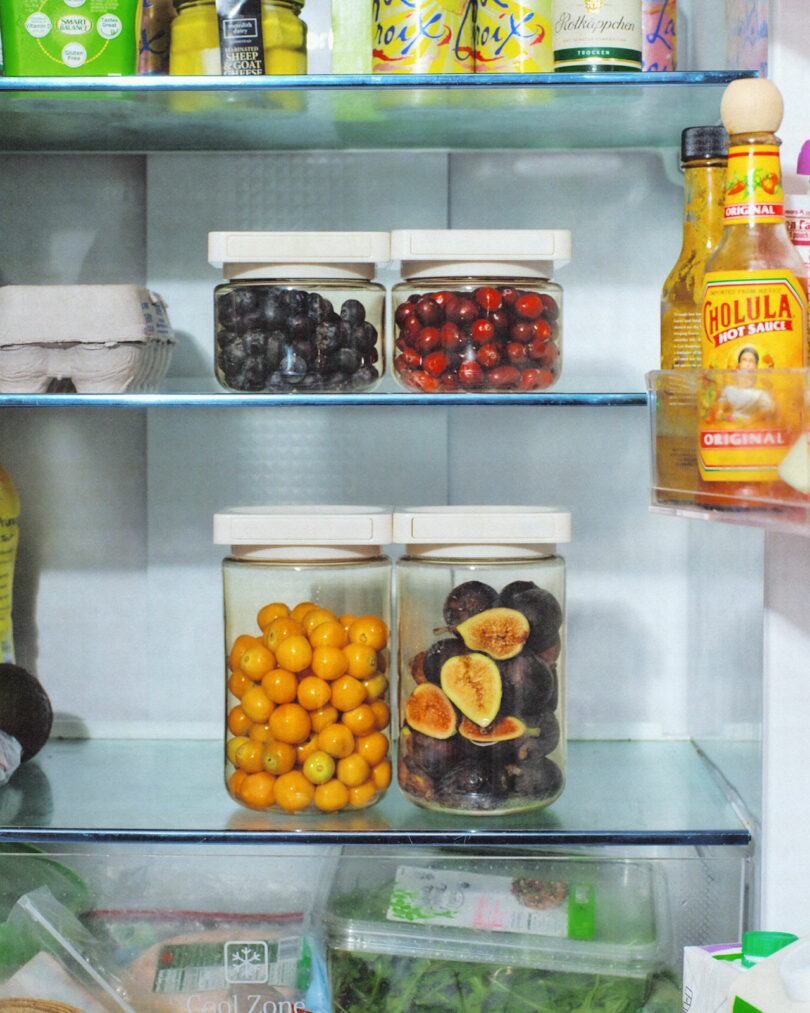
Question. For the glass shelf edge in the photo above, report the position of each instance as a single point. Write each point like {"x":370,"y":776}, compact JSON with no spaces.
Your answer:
{"x":394,"y":82}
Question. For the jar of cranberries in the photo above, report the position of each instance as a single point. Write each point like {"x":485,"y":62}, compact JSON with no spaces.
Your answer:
{"x":481,"y":655}
{"x":477,"y":310}
{"x":299,"y":312}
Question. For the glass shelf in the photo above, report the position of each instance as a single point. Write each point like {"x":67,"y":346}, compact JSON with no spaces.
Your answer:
{"x":324,"y":112}
{"x":622,"y":792}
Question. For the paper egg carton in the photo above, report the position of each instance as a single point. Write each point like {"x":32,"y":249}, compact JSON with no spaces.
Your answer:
{"x":102,"y":339}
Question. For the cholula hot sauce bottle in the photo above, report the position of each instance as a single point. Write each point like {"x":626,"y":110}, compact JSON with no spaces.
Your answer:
{"x":754,"y":316}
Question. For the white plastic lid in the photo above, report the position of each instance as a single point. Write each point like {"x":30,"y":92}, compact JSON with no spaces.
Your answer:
{"x":795,"y":971}
{"x":501,"y":253}
{"x":485,"y":531}
{"x":310,"y":532}
{"x":298,"y":254}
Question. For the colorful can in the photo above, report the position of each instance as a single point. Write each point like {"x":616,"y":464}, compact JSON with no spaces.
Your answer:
{"x":513,"y":36}
{"x":423,"y":37}
{"x":659,"y":46}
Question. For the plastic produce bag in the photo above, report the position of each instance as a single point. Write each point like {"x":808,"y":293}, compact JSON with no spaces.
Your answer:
{"x":10,"y":756}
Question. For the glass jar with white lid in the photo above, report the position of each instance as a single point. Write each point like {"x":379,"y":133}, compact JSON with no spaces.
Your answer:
{"x":307,"y":616}
{"x":299,"y":312}
{"x":481,"y":656}
{"x":477,"y":310}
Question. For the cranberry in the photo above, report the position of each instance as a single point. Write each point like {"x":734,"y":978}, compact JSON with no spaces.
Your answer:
{"x":408,"y":378}
{"x":504,"y":378}
{"x":449,"y":382}
{"x":482,"y":331}
{"x":542,"y":329}
{"x":426,"y":340}
{"x":530,"y":379}
{"x":489,"y":298}
{"x":442,"y":298}
{"x":425,"y":382}
{"x":537,"y":348}
{"x":499,"y":319}
{"x":550,"y":308}
{"x":436,"y":363}
{"x":470,"y":374}
{"x":489,"y":356}
{"x":508,"y":294}
{"x":429,"y":311}
{"x":411,"y":328}
{"x":401,"y":344}
{"x":550,"y":354}
{"x":451,"y":337}
{"x":529,"y":306}
{"x":522,"y":331}
{"x":411,"y":358}
{"x":461,"y":311}
{"x":516,"y":353}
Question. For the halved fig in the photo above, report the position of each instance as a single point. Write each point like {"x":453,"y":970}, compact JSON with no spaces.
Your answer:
{"x":501,"y":731}
{"x":499,"y":632}
{"x":473,"y":683}
{"x":429,"y":711}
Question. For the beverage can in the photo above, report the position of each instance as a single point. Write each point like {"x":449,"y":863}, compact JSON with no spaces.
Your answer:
{"x":422,"y":36}
{"x":513,"y":36}
{"x":659,"y":24}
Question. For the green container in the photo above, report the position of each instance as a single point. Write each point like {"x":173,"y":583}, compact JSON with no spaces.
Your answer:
{"x":48,"y":38}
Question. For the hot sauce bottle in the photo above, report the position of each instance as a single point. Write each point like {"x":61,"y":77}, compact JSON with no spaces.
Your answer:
{"x":754,"y":317}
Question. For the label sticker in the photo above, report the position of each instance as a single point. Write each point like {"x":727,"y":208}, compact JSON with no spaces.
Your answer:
{"x":241,"y":40}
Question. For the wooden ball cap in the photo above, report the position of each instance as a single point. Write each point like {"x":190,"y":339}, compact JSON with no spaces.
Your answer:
{"x":751,"y":105}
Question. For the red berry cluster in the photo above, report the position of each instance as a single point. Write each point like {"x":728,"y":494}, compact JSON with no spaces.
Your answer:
{"x":494,"y":338}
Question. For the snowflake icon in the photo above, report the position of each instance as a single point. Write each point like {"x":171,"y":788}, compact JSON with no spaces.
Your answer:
{"x":246,"y":960}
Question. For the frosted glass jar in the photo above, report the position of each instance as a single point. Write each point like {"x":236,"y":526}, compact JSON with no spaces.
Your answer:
{"x":307,"y":608}
{"x":480,"y":657}
{"x":300,"y":311}
{"x":477,"y":310}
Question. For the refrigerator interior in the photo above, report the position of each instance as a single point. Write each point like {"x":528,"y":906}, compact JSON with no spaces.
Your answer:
{"x":117,"y":596}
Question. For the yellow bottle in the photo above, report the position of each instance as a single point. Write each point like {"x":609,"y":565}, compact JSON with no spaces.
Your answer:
{"x":9,"y":535}
{"x":703,"y":160}
{"x":754,"y":316}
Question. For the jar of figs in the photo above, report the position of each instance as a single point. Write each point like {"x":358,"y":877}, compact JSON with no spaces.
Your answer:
{"x":300,"y":312}
{"x":481,"y":652}
{"x":477,"y":310}
{"x":307,"y":606}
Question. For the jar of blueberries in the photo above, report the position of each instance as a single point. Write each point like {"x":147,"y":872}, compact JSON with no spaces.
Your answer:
{"x":307,"y":616}
{"x":481,"y":654}
{"x":477,"y":310}
{"x":299,"y":311}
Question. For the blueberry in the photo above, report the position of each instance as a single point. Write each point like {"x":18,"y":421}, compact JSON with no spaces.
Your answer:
{"x":305,"y":349}
{"x":353,"y":311}
{"x":255,"y":342}
{"x":225,"y":311}
{"x":369,"y":339}
{"x":294,"y":370}
{"x":245,"y":301}
{"x":297,"y":301}
{"x":233,"y":357}
{"x":347,"y":360}
{"x":327,"y":336}
{"x":275,"y":383}
{"x":274,"y":349}
{"x":274,"y":309}
{"x":363,"y":376}
{"x":225,"y":337}
{"x":253,"y":372}
{"x":299,"y":325}
{"x":318,"y":308}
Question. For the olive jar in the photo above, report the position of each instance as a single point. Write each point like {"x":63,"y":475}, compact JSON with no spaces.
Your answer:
{"x":481,"y":654}
{"x":307,"y":615}
{"x":477,"y":310}
{"x":299,"y":311}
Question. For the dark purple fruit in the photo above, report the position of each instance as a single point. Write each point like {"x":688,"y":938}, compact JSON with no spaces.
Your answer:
{"x":434,"y":756}
{"x":537,"y":777}
{"x":468,"y":599}
{"x":437,"y":654}
{"x":413,"y":779}
{"x":527,"y":684}
{"x":539,"y":606}
{"x":472,"y":785}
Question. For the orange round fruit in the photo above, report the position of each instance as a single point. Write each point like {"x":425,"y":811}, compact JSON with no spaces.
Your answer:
{"x":260,"y":732}
{"x":382,"y":713}
{"x":249,"y":756}
{"x":301,"y":609}
{"x":318,"y":767}
{"x":346,"y":620}
{"x":352,"y":770}
{"x":332,"y":796}
{"x":362,"y":794}
{"x":235,"y":780}
{"x":239,"y":646}
{"x":293,"y":791}
{"x":278,"y":757}
{"x":323,"y":716}
{"x":289,"y":722}
{"x":329,"y":662}
{"x":267,"y":613}
{"x":336,"y":740}
{"x":280,"y":685}
{"x":257,"y":790}
{"x":328,"y":634}
{"x":347,"y":693}
{"x":381,"y":774}
{"x":305,"y":749}
{"x":256,"y":660}
{"x":294,"y":653}
{"x":375,"y":686}
{"x":233,"y":745}
{"x":373,"y":747}
{"x":369,"y":630}
{"x":238,"y":721}
{"x":257,"y":704}
{"x":314,"y":693}
{"x":362,"y":659}
{"x":238,"y":682}
{"x":359,"y":720}
{"x":281,"y":628}
{"x":315,"y":617}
